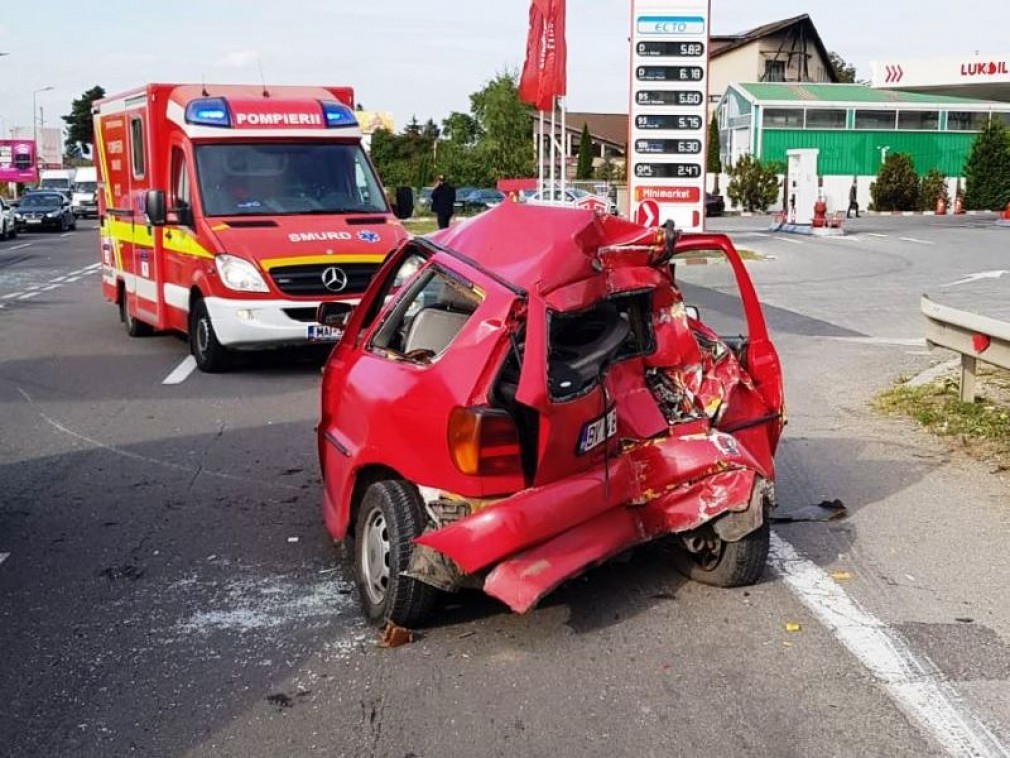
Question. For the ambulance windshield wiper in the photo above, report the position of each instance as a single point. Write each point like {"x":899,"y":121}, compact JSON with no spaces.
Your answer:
{"x":333,"y":211}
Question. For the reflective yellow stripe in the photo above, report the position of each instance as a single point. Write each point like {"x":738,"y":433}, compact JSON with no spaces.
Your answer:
{"x":269,"y":263}
{"x":174,"y":240}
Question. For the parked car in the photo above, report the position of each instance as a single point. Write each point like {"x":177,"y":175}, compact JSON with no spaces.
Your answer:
{"x":8,"y":228}
{"x":424,"y":198}
{"x":571,"y":196}
{"x":521,"y":397}
{"x":461,"y":194}
{"x":84,"y":199}
{"x":42,"y":209}
{"x":714,"y":204}
{"x":482,"y":199}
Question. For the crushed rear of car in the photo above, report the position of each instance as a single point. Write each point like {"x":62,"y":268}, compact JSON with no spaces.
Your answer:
{"x":525,"y":396}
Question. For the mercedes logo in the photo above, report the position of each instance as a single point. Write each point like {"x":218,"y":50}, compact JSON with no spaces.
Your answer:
{"x":334,"y":279}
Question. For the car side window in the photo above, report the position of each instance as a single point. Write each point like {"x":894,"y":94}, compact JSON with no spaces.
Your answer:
{"x":410,"y":265}
{"x":427,"y":317}
{"x":180,"y":179}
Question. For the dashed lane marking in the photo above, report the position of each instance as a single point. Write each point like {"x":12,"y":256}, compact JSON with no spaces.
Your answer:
{"x":10,"y":295}
{"x":181,"y":372}
{"x":30,"y":295}
{"x":22,"y":246}
{"x":911,"y":681}
{"x":790,"y":241}
{"x":71,"y":279}
{"x":68,"y":234}
{"x":916,"y":241}
{"x":4,"y":557}
{"x":881,"y":236}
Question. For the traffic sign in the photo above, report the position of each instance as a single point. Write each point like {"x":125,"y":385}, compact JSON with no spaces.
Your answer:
{"x":669,"y":111}
{"x":648,"y":213}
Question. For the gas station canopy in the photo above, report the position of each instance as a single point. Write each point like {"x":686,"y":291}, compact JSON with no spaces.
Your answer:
{"x":984,"y":77}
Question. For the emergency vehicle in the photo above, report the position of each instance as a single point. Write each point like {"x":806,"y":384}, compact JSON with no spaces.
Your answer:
{"x":229,"y":212}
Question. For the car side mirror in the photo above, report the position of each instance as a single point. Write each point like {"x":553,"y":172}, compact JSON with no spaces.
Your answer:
{"x":404,"y":207}
{"x":154,"y":207}
{"x":334,"y":314}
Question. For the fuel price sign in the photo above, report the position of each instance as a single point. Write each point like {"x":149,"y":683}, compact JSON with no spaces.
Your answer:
{"x":669,"y":110}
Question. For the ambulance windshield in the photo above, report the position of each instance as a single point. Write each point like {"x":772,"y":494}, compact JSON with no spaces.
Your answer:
{"x":281,"y":179}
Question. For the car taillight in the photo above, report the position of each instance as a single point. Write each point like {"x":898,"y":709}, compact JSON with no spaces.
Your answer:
{"x":484,"y":442}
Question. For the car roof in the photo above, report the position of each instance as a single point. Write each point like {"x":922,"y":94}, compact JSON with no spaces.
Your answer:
{"x":539,"y":248}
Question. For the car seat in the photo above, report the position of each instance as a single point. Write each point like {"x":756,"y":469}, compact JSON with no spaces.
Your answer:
{"x":434,"y":327}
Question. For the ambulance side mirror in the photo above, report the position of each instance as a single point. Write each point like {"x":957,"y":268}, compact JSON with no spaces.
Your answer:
{"x":154,"y":206}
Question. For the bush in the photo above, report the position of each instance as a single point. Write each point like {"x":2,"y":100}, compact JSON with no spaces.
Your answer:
{"x":987,"y":172}
{"x":753,"y":184}
{"x":932,"y":187}
{"x":897,"y":185}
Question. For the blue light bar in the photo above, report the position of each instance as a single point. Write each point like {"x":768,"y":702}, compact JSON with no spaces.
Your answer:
{"x":337,"y":115}
{"x":212,"y":111}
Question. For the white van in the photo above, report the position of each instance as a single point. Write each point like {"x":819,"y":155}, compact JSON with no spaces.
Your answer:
{"x":84,"y":201}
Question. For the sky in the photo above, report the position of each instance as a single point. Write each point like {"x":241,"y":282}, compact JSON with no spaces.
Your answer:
{"x":412,"y":57}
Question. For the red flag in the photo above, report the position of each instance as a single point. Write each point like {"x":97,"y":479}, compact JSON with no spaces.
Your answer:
{"x":544,"y":74}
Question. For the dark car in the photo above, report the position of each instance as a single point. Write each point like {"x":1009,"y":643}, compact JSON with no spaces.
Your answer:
{"x":714,"y":204}
{"x":45,"y":210}
{"x":461,"y":194}
{"x":482,"y":199}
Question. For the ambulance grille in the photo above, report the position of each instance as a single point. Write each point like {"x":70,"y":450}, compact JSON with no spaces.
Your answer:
{"x":307,"y":281}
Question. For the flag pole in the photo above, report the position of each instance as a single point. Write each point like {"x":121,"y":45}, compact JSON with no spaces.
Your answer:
{"x":540,"y":158}
{"x":554,"y":144}
{"x":564,"y":146}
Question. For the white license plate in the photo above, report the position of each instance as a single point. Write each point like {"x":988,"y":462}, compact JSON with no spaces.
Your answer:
{"x":34,"y":220}
{"x":319,"y":333}
{"x":598,"y":431}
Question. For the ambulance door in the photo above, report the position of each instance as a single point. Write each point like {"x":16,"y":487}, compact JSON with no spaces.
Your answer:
{"x":177,"y":235}
{"x":145,"y":300}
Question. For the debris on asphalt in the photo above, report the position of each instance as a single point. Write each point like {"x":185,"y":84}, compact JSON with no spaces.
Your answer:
{"x":841,"y":576}
{"x":394,"y":636}
{"x":292,"y":539}
{"x":965,"y":620}
{"x":280,"y":700}
{"x":464,"y":635}
{"x":793,"y":626}
{"x":826,"y":510}
{"x":124,"y":571}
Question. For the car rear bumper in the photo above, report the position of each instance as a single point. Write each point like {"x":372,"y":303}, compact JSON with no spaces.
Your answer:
{"x":262,"y":323}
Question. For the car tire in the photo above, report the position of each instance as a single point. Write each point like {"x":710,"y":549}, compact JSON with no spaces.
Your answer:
{"x":4,"y":234}
{"x":12,"y":233}
{"x":73,"y":224}
{"x":134,"y":327}
{"x":389,"y":519}
{"x":727,"y":564}
{"x":211,"y":356}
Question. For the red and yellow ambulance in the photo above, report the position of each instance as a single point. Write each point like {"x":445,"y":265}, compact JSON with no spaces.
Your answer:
{"x":230,"y":212}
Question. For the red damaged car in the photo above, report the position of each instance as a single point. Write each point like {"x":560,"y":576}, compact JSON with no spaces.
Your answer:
{"x":525,"y":395}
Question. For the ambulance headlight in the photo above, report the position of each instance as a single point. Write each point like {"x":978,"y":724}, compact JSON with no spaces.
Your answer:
{"x":238,"y":274}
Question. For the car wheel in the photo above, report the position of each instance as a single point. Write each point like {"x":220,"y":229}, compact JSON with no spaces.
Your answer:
{"x":12,"y":232}
{"x":211,"y":356}
{"x":134,"y":327}
{"x":390,"y":517}
{"x":3,"y":232}
{"x":73,"y":223}
{"x":707,"y":559}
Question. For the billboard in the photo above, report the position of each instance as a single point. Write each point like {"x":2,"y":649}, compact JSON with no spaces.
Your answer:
{"x":669,"y":112}
{"x":17,"y":161}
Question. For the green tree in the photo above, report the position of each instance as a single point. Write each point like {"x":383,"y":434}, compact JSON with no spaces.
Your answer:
{"x":461,"y":128}
{"x":505,"y":146}
{"x":844,"y":71}
{"x":987,"y":172}
{"x":753,"y":183}
{"x":932,"y":187}
{"x":80,"y":127}
{"x":713,"y":161}
{"x":584,"y":168}
{"x":897,"y":185}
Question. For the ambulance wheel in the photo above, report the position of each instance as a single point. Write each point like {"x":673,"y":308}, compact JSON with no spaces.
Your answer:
{"x":705,"y":558}
{"x":134,"y":327}
{"x":211,"y":356}
{"x":390,"y":517}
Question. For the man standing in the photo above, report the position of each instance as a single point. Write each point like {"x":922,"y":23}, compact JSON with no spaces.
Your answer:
{"x":853,"y":202}
{"x":443,"y":201}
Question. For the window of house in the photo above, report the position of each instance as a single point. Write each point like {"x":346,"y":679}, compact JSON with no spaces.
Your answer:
{"x":826,"y":118}
{"x":966,"y":121}
{"x":775,"y":71}
{"x":1003,"y":117}
{"x":137,"y":146}
{"x":919,"y":120}
{"x":875,"y":119}
{"x":783,"y":118}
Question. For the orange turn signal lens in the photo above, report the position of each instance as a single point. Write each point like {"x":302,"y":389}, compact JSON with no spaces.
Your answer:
{"x":484,"y":442}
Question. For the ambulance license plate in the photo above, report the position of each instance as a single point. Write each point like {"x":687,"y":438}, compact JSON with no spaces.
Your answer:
{"x":319,"y":333}
{"x":598,"y":431}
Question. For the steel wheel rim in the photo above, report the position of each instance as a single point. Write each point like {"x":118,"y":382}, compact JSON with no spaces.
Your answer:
{"x":374,"y":556}
{"x":202,"y":336}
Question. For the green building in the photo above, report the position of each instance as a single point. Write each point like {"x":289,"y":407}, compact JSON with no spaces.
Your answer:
{"x":853,"y":127}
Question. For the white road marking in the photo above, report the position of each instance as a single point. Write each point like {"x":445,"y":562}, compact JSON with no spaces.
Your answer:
{"x":912,"y":682}
{"x":976,"y":277}
{"x":71,"y":279}
{"x":51,"y":287}
{"x":95,"y":266}
{"x":22,"y":246}
{"x":790,"y":241}
{"x":181,"y":372}
{"x":80,"y":272}
{"x":29,"y":295}
{"x":4,"y":557}
{"x":882,"y":236}
{"x":916,"y":241}
{"x":58,"y":279}
{"x":10,"y":295}
{"x":68,"y":234}
{"x":887,"y":341}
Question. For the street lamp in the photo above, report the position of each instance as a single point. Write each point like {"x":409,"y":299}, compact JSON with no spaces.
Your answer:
{"x":35,"y":123}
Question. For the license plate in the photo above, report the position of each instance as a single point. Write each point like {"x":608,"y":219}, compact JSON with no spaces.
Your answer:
{"x":319,"y":333}
{"x":598,"y":431}
{"x":34,"y":220}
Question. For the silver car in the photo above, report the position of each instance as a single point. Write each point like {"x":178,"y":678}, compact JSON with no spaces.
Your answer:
{"x":8,"y":230}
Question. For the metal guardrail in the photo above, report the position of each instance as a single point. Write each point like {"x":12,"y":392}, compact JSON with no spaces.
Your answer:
{"x":975,"y":337}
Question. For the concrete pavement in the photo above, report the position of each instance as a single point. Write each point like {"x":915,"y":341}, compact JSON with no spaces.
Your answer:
{"x":169,"y":588}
